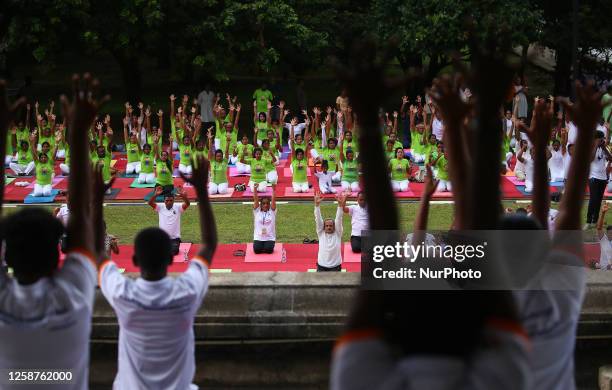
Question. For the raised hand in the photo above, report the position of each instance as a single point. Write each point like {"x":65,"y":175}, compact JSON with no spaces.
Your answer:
{"x":586,"y":111}
{"x":541,"y":123}
{"x":445,"y":94}
{"x":317,"y":198}
{"x":430,"y":183}
{"x":172,"y":98}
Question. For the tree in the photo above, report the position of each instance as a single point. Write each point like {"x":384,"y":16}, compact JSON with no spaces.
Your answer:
{"x":427,"y":31}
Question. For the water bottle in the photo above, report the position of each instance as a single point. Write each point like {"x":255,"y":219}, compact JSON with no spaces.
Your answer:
{"x":284,"y":256}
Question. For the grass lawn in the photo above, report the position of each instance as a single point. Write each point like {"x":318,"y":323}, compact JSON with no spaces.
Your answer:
{"x":235,"y":222}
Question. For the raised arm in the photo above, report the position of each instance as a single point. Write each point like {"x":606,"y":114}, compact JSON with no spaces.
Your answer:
{"x":80,"y":114}
{"x":341,"y":198}
{"x":317,"y":213}
{"x":273,"y":201}
{"x":208,"y":227}
{"x":420,"y":222}
{"x":237,"y":117}
{"x":255,"y":200}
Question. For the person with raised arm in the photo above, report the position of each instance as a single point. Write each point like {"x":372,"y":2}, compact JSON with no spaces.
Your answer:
{"x":359,"y":221}
{"x":163,"y":168}
{"x":385,"y":343}
{"x":170,"y":214}
{"x":264,"y":219}
{"x":158,"y":310}
{"x":598,"y":177}
{"x":45,"y":310}
{"x":132,"y":147}
{"x":218,"y":168}
{"x":329,"y":232}
{"x":44,"y":162}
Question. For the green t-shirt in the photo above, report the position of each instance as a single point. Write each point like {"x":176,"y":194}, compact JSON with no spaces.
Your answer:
{"x":150,"y":141}
{"x":219,"y":171}
{"x":318,"y":145}
{"x":262,"y":96}
{"x":197,"y":154}
{"x":268,"y":159}
{"x":9,"y":144}
{"x":185,"y":153}
{"x":164,"y":174}
{"x":263,"y":130}
{"x":50,"y":139}
{"x":332,"y":156}
{"x":146,"y":163}
{"x":233,"y":141}
{"x":442,"y":166}
{"x":23,"y":135}
{"x":105,"y":163}
{"x":244,"y":150}
{"x":44,"y":173}
{"x":300,"y":171}
{"x":432,"y":154}
{"x":350,"y":171}
{"x":389,"y":154}
{"x":415,"y":142}
{"x":258,"y":169}
{"x":607,"y":99}
{"x":67,"y":155}
{"x":398,"y":169}
{"x":352,"y":144}
{"x":133,"y":153}
{"x":24,"y":157}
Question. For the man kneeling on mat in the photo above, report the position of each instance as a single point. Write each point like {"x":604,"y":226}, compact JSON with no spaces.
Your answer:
{"x":170,"y":214}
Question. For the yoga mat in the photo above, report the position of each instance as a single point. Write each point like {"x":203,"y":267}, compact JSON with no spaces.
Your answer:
{"x":230,"y":192}
{"x":233,"y":172}
{"x":248,"y":194}
{"x":274,"y":257}
{"x":521,"y":189}
{"x":159,"y":199}
{"x":514,"y":180}
{"x":289,"y":192}
{"x":136,"y":184}
{"x":184,"y":248}
{"x":443,"y":194}
{"x":557,"y":183}
{"x":113,"y":194}
{"x":30,"y":199}
{"x":128,"y":175}
{"x":132,"y":193}
{"x":8,"y":180}
{"x":349,"y":256}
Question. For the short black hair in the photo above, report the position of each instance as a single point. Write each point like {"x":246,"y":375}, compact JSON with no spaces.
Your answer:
{"x":32,"y":237}
{"x":599,"y":134}
{"x":152,"y":250}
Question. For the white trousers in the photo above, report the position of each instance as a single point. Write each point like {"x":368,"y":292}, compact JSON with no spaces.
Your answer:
{"x":65,"y":168}
{"x":261,"y":187}
{"x":272,"y":177}
{"x":133,"y":167}
{"x":418,"y":158}
{"x":146,"y":178}
{"x":400,"y":185}
{"x":444,"y":186}
{"x":326,"y":188}
{"x":354,"y":186}
{"x":185,"y":169}
{"x":19,"y":168}
{"x":300,"y":187}
{"x":61,"y":153}
{"x":42,"y":190}
{"x":217,"y":188}
{"x":243,"y":168}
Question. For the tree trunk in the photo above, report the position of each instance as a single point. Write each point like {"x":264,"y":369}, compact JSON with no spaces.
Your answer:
{"x":524,"y":51}
{"x":563,"y":72}
{"x":132,"y":78}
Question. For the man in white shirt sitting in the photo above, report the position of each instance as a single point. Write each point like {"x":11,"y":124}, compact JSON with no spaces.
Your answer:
{"x":155,"y":311}
{"x":170,"y":215}
{"x":359,"y":221}
{"x":45,"y":311}
{"x":329,"y":232}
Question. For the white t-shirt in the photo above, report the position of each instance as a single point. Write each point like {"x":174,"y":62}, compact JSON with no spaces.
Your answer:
{"x":598,"y":166}
{"x":437,"y":128}
{"x":170,"y":220}
{"x":47,"y":324}
{"x":325,"y":178}
{"x":63,"y":214}
{"x":567,"y":161}
{"x":550,"y":311}
{"x":359,"y":219}
{"x":156,"y":340}
{"x":205,"y":100}
{"x":555,"y":164}
{"x":265,"y":225}
{"x":572,"y":132}
{"x":366,"y":363}
{"x":605,"y":256}
{"x":329,"y":254}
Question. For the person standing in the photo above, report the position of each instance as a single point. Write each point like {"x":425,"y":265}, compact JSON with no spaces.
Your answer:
{"x":170,"y":214}
{"x":359,"y":221}
{"x":261,"y":97}
{"x":598,"y":179}
{"x":206,"y":101}
{"x":156,"y":312}
{"x":329,"y":231}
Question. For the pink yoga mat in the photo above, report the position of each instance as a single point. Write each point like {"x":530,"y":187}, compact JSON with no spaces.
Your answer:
{"x":230,"y":192}
{"x":514,"y":180}
{"x":274,"y":257}
{"x":349,"y":256}
{"x":249,"y":194}
{"x":289,"y":192}
{"x":183,"y":248}
{"x":233,"y":172}
{"x":440,"y":194}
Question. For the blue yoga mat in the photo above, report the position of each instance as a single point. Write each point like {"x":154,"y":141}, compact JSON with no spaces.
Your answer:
{"x":522,"y":190}
{"x":30,"y":199}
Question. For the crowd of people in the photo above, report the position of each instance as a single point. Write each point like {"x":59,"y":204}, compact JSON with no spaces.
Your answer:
{"x":499,"y":339}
